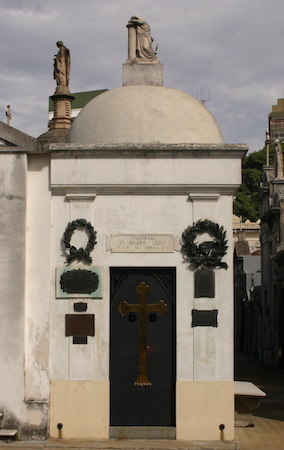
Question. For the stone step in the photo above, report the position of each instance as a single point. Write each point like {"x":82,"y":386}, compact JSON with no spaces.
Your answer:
{"x":120,"y":445}
{"x":5,"y":432}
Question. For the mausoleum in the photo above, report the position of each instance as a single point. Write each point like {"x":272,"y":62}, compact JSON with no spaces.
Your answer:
{"x":117,"y":264}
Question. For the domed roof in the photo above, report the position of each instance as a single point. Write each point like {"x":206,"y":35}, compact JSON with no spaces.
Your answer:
{"x":144,"y":114}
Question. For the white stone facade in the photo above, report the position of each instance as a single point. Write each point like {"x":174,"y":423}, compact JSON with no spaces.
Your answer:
{"x":119,"y":188}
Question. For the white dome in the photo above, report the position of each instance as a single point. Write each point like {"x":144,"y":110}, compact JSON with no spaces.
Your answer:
{"x":144,"y":114}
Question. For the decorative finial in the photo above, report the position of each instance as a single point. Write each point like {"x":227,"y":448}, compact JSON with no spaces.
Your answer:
{"x":8,"y":113}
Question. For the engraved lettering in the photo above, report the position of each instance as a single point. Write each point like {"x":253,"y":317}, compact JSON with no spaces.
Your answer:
{"x":151,"y":243}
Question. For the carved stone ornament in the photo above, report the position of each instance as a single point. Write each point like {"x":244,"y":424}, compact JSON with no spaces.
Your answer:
{"x":140,"y":41}
{"x":61,"y":68}
{"x":278,"y":160}
{"x":209,"y":253}
{"x":81,"y":253}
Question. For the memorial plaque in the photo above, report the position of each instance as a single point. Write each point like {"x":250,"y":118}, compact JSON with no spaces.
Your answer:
{"x":79,"y":281}
{"x":142,"y":243}
{"x":204,"y":318}
{"x":204,"y":283}
{"x":83,"y":340}
{"x":79,"y":325}
{"x":80,"y":307}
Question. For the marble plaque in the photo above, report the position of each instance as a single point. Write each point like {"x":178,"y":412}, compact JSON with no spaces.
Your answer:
{"x":204,"y":283}
{"x":142,"y":243}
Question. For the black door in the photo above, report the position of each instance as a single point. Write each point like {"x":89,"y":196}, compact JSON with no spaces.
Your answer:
{"x":142,"y":346}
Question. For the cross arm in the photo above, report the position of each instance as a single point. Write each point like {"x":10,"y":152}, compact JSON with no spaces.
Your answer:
{"x":124,"y":308}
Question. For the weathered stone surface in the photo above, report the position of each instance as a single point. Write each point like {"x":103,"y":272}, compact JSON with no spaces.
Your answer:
{"x":145,"y":114}
{"x":142,"y":74}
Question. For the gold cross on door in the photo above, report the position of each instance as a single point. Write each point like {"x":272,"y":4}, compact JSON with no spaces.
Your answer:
{"x":142,"y":308}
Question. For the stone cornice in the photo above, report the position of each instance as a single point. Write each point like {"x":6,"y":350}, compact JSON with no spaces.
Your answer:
{"x":157,"y":150}
{"x":148,"y":189}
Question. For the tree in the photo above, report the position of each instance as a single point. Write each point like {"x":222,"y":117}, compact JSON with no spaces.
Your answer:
{"x":246,"y":203}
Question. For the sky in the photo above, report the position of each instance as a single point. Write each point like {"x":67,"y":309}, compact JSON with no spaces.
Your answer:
{"x":228,"y":53}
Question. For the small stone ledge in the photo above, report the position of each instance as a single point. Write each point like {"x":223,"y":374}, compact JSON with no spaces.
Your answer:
{"x":5,"y":432}
{"x":247,"y":397}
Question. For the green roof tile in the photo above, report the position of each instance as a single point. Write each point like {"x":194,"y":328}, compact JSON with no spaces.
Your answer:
{"x":80,"y":100}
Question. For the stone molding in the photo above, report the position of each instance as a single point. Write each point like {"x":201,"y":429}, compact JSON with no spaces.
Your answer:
{"x":151,"y":150}
{"x":149,"y":189}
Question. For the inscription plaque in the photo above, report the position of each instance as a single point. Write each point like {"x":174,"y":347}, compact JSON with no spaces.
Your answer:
{"x":79,"y":281}
{"x":204,"y":283}
{"x":82,"y":340}
{"x":142,"y":243}
{"x":80,"y":307}
{"x":204,"y":318}
{"x":79,"y":325}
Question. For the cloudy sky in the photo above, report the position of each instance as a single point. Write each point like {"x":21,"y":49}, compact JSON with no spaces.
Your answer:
{"x":227,"y":51}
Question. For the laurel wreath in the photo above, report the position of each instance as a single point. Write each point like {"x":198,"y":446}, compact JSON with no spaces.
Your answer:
{"x":207,"y":254}
{"x":81,"y":253}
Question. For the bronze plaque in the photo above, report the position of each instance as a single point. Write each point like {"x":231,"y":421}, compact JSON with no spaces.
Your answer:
{"x":79,"y":281}
{"x":80,"y":307}
{"x":81,"y":340}
{"x":204,"y":318}
{"x":79,"y":325}
{"x":204,"y":283}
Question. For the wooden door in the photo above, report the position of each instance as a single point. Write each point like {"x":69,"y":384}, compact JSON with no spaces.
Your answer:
{"x":142,"y":346}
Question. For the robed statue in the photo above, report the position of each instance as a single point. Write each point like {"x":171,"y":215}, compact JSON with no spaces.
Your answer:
{"x":278,"y":160}
{"x":140,"y":40}
{"x":61,"y":72}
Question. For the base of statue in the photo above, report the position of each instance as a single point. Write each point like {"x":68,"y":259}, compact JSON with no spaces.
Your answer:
{"x":137,"y":74}
{"x":62,"y":90}
{"x":62,"y":109}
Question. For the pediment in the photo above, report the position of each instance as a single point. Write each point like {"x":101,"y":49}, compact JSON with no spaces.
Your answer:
{"x":5,"y":143}
{"x":14,"y":140}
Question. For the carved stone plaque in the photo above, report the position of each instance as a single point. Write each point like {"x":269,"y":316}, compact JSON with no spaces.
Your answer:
{"x":204,"y":318}
{"x":79,"y":325}
{"x":204,"y":283}
{"x":142,"y":243}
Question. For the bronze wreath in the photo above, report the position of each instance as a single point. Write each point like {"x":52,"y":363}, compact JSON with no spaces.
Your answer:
{"x":81,"y":253}
{"x":209,"y":253}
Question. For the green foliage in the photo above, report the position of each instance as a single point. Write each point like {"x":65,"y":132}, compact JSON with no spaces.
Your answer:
{"x":246,"y":203}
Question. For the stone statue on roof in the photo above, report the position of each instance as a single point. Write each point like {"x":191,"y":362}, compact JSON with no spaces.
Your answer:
{"x":278,"y":160}
{"x":61,"y":72}
{"x":140,"y":41}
